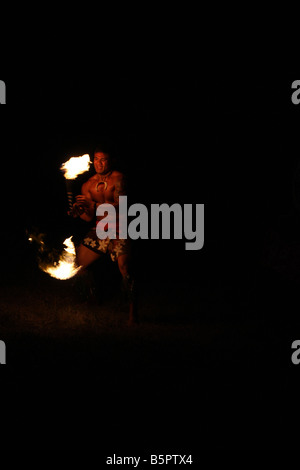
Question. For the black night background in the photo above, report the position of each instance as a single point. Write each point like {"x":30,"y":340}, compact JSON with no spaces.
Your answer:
{"x":209,"y":366}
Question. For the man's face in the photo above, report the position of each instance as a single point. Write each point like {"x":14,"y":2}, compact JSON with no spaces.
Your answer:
{"x":101,"y":162}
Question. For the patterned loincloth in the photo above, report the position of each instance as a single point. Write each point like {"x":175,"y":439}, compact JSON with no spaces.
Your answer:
{"x":114,"y":247}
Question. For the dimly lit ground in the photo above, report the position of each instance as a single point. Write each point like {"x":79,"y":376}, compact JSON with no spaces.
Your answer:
{"x":200,"y":370}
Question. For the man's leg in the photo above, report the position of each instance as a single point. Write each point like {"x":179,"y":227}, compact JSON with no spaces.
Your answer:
{"x":85,"y":281}
{"x":85,"y":256}
{"x":124,"y":262}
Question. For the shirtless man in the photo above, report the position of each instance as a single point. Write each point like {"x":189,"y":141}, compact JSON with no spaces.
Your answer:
{"x":104,"y":187}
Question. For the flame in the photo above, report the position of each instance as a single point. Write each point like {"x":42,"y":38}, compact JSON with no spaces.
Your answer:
{"x":76,"y":166}
{"x":66,"y":266}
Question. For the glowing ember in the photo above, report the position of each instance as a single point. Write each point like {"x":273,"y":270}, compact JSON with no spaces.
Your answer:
{"x":66,"y":267}
{"x":76,"y":166}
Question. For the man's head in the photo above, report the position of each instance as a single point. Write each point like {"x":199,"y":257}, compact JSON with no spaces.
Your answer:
{"x":102,"y":161}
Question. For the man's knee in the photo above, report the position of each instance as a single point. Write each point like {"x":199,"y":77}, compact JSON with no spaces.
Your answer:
{"x":84,"y":256}
{"x":80,"y":258}
{"x":123,"y":264}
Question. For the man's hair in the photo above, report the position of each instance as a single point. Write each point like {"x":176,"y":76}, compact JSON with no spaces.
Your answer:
{"x":101,"y":149}
{"x":105,"y":146}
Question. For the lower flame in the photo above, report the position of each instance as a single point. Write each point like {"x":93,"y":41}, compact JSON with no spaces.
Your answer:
{"x":66,"y":267}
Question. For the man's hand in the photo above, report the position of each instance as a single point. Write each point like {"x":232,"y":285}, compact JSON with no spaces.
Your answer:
{"x":84,"y":201}
{"x":76,"y":211}
{"x":83,"y":205}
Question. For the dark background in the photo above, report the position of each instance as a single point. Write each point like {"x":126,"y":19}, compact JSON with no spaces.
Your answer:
{"x":231,"y":144}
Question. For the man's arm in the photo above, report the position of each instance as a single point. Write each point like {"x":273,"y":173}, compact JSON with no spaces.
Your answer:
{"x":120,"y":188}
{"x":84,"y":206}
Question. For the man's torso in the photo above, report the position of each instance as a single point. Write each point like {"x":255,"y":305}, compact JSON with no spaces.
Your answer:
{"x":104,"y":191}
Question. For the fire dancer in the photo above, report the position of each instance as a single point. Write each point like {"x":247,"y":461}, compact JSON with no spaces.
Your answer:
{"x":105,"y":187}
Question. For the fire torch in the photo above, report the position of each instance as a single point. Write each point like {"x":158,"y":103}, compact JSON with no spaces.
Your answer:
{"x":72,"y":168}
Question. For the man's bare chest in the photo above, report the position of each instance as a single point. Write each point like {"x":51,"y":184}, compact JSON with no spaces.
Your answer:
{"x":102,"y":192}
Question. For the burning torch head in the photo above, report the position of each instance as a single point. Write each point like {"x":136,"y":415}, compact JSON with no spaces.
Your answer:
{"x":76,"y":166}
{"x":72,"y":168}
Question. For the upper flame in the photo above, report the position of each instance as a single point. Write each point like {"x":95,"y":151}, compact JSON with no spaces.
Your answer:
{"x":66,"y":266}
{"x":76,"y":166}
